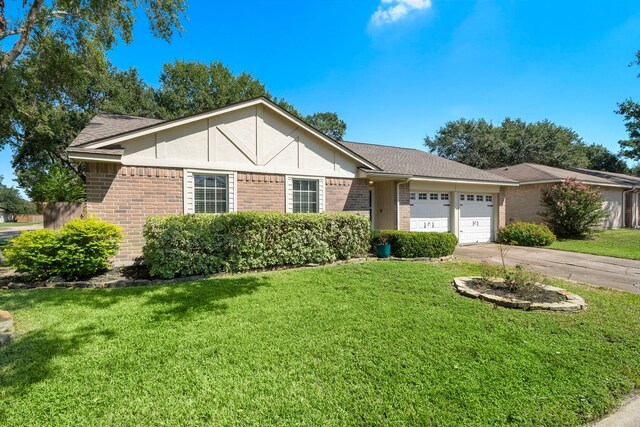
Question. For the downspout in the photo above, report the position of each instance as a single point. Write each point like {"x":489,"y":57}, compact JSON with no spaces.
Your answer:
{"x":398,"y":201}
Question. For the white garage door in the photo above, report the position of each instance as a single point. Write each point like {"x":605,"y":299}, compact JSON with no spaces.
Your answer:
{"x":430,"y":211}
{"x":476,"y":218}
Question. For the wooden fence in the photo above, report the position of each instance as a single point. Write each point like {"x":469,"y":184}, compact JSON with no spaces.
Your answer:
{"x":57,"y":214}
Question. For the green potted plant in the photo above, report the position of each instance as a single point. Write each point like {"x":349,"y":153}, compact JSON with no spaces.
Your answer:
{"x":383,"y":247}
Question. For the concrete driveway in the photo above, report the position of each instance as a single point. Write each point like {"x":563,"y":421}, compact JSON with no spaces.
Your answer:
{"x":13,"y":231}
{"x":616,"y":273}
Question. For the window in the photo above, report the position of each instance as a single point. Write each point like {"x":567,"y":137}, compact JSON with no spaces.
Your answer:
{"x":444,"y":196}
{"x":210,"y":193}
{"x":489,"y":198}
{"x":433,"y":196}
{"x":462,"y":197}
{"x":470,"y":197}
{"x":412,"y":196}
{"x":305,"y":195}
{"x":422,"y":196}
{"x":480,"y":198}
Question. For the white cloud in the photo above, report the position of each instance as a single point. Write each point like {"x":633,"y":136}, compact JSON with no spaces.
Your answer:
{"x":393,"y":10}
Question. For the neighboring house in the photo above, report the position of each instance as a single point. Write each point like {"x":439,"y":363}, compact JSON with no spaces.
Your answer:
{"x":255,"y":156}
{"x":6,"y":216}
{"x":619,"y":192}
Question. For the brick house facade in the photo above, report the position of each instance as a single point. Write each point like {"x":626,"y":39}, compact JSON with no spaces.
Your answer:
{"x":252,"y":156}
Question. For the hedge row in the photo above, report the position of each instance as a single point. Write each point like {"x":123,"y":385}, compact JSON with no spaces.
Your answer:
{"x":185,"y":245}
{"x":526,"y":234}
{"x":415,"y":244}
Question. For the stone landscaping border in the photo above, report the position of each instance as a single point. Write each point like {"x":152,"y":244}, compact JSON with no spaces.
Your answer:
{"x":123,"y":282}
{"x":573,"y":302}
{"x":7,"y":329}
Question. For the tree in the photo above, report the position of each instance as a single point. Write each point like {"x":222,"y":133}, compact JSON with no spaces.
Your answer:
{"x":630,"y":110}
{"x":329,"y":124}
{"x":188,"y":87}
{"x":56,"y":184}
{"x":79,"y":23}
{"x":601,"y":159}
{"x":11,"y":201}
{"x":481,"y":144}
{"x":572,"y":209}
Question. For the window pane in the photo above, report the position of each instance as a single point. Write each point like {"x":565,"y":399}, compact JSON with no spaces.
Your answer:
{"x":312,"y":185}
{"x":444,"y":196}
{"x":489,"y":198}
{"x":305,"y":195}
{"x":433,"y":196}
{"x":312,"y":207}
{"x":210,"y":194}
{"x":199,"y":208}
{"x":470,"y":197}
{"x":412,"y":196}
{"x":199,"y":180}
{"x":480,"y":198}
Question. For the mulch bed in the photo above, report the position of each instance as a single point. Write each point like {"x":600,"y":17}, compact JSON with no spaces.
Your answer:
{"x":528,"y":293}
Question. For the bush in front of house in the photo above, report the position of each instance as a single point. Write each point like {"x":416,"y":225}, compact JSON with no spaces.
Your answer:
{"x":416,"y":244}
{"x":80,"y":249}
{"x":572,"y":209}
{"x":194,"y":244}
{"x":526,"y":234}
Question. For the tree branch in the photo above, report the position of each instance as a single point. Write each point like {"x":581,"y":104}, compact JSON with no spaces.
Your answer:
{"x":19,"y":46}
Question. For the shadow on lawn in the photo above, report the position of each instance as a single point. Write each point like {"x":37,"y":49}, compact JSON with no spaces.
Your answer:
{"x":27,"y":360}
{"x":177,"y":299}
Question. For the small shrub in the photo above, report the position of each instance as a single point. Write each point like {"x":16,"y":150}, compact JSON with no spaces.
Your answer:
{"x":80,"y":249}
{"x":572,"y":209}
{"x":526,"y":234}
{"x":415,"y":244}
{"x":185,"y":245}
{"x":33,"y":251}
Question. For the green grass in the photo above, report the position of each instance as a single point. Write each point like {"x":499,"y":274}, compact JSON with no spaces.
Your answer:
{"x":375,"y":343}
{"x":615,"y":243}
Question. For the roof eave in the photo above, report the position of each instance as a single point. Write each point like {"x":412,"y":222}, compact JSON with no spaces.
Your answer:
{"x":374,"y":174}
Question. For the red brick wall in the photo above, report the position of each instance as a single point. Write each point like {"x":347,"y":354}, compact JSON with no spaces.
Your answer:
{"x":260,"y":192}
{"x":405,"y":207}
{"x":523,"y":202}
{"x":125,"y":196}
{"x":347,"y":195}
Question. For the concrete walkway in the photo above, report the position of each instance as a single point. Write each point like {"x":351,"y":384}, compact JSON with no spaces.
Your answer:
{"x":616,"y":273}
{"x":627,"y":416}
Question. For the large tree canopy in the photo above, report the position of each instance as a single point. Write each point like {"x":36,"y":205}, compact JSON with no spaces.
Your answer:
{"x":80,"y":23}
{"x":630,"y":110}
{"x":484,"y":145}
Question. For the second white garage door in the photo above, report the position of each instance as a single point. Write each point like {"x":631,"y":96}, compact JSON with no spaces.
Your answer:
{"x":430,"y":211}
{"x":476,"y":218}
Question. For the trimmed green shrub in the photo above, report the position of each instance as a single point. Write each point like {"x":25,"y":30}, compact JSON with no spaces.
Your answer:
{"x":526,"y":234}
{"x":193,"y":244}
{"x":416,"y":244}
{"x":80,"y":249}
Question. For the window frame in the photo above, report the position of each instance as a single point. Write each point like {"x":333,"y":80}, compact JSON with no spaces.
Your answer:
{"x":321,"y":191}
{"x":307,"y":191}
{"x":188,"y":178}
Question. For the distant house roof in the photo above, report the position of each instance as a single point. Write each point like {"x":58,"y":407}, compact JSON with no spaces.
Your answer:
{"x":419,"y":163}
{"x":527,"y":173}
{"x":613,"y":176}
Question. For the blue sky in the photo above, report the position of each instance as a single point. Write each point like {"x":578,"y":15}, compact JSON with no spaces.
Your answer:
{"x":396,"y":71}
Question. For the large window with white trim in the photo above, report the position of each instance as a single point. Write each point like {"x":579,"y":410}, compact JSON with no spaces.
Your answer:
{"x":305,"y":195}
{"x":211,"y":193}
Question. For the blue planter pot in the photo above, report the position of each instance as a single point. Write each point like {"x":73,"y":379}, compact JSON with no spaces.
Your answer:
{"x":383,"y":251}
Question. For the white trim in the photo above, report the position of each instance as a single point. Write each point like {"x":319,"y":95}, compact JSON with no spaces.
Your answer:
{"x":289,"y":191}
{"x":108,"y":158}
{"x":260,"y":101}
{"x":447,"y":180}
{"x":188,"y":195}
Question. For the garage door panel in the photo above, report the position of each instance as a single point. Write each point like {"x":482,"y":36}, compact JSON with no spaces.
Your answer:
{"x":476,"y":218}
{"x":430,"y":212}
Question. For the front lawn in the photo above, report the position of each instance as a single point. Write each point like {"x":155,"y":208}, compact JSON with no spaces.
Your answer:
{"x":615,"y":243}
{"x":372,"y":343}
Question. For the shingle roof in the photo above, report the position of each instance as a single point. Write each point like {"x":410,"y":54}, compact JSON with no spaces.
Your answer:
{"x":414,"y":162}
{"x":104,"y":125}
{"x":532,"y":172}
{"x":391,"y":160}
{"x":613,"y":176}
